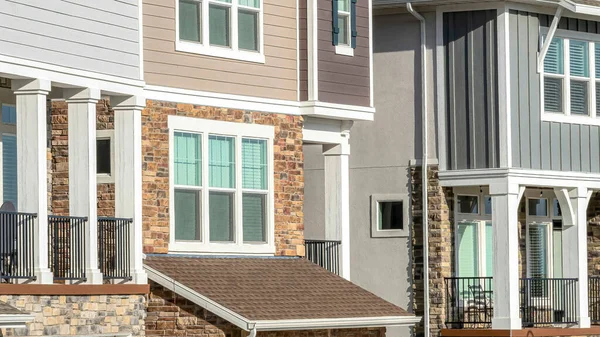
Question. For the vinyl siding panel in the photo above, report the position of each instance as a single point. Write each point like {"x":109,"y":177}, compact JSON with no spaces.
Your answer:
{"x":277,"y":78}
{"x":344,"y":79}
{"x":100,"y":36}
{"x":471,"y":84}
{"x":538,"y":144}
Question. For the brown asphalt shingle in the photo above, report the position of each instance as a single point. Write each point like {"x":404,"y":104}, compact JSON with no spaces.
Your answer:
{"x":273,"y":288}
{"x":6,"y":309}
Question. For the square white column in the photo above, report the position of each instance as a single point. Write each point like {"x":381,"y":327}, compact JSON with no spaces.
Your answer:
{"x":505,"y":224}
{"x":83,"y":199}
{"x":337,"y":200}
{"x":32,"y":168}
{"x":128,"y":175}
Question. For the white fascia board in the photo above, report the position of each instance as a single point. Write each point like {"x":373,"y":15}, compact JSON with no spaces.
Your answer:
{"x":15,"y":321}
{"x":337,"y":111}
{"x":337,"y":323}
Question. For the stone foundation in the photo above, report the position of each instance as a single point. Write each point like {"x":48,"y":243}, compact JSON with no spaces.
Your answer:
{"x":79,"y":315}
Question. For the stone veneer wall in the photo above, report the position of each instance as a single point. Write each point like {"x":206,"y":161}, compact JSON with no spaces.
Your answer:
{"x":173,"y":315}
{"x":288,"y":170}
{"x":440,"y":247}
{"x":79,"y":315}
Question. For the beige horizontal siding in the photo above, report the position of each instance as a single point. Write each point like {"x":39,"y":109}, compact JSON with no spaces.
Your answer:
{"x":277,"y":78}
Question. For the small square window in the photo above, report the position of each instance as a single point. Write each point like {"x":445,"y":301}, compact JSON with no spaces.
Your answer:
{"x":389,"y":215}
{"x":468,"y":204}
{"x":105,"y":157}
{"x":538,"y":207}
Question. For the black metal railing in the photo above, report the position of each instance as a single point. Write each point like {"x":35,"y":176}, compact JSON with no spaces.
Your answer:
{"x":66,"y":247}
{"x":469,"y":302}
{"x":548,"y":301}
{"x":594,"y":298}
{"x":325,"y":253}
{"x":17,"y":247}
{"x":114,"y":250}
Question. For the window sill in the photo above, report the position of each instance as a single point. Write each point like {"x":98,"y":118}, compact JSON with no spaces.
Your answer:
{"x":105,"y":179}
{"x":570,"y":119}
{"x":248,"y":56}
{"x":344,"y":50}
{"x":390,"y":233}
{"x":222,"y":248}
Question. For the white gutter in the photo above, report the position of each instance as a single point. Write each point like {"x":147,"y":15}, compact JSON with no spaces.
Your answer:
{"x":15,"y":321}
{"x":424,"y":167}
{"x":548,"y":40}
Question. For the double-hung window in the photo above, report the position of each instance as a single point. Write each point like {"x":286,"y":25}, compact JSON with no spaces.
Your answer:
{"x":570,"y":78}
{"x":222,"y":187}
{"x":344,"y":26}
{"x":221,"y":28}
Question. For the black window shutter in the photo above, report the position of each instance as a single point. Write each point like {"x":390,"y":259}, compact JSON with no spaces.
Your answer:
{"x":334,"y":23}
{"x":353,"y":22}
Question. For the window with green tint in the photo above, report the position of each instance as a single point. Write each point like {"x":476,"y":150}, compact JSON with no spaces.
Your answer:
{"x":188,"y":159}
{"x":254,"y":164}
{"x":553,"y":93}
{"x":554,"y":60}
{"x":190,"y":16}
{"x":219,"y":25}
{"x":250,"y":3}
{"x":9,"y":114}
{"x":343,"y":5}
{"x":187,"y":215}
{"x":579,"y":59}
{"x":248,"y":30}
{"x":221,"y":215}
{"x":9,"y":169}
{"x":468,"y":243}
{"x":391,"y":215}
{"x":579,"y":97}
{"x":489,"y":249}
{"x":221,"y":152}
{"x":343,"y":21}
{"x":597,"y":60}
{"x":468,"y":204}
{"x":254,"y":217}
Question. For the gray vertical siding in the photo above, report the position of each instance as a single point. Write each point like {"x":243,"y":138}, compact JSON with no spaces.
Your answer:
{"x":471,"y":89}
{"x":101,"y":36}
{"x":537,"y":144}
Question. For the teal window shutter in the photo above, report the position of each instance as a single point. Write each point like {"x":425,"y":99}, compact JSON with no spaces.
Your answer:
{"x":468,"y":260}
{"x":579,"y":60}
{"x":334,"y":21}
{"x":553,"y":62}
{"x":353,"y":23}
{"x":9,"y":166}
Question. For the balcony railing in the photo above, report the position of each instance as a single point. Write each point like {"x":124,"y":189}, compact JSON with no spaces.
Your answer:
{"x":114,"y":255}
{"x":594,"y":298}
{"x":16,"y":246}
{"x":325,"y":253}
{"x":67,"y":247}
{"x":543,"y":302}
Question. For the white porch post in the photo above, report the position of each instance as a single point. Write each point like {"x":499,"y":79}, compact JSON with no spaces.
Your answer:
{"x":32,"y":168}
{"x":505,"y":202}
{"x":128,"y":175}
{"x":337,"y":200}
{"x":83,"y":199}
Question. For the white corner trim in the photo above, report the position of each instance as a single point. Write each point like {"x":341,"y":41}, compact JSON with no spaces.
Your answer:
{"x":371,"y":90}
{"x":312,"y":47}
{"x":344,"y":50}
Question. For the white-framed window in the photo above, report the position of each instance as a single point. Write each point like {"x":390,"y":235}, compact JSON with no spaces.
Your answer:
{"x":221,"y":28}
{"x":389,"y":215}
{"x":569,"y":80}
{"x":105,"y":156}
{"x":343,"y":39}
{"x":8,"y":153}
{"x":222,"y":198}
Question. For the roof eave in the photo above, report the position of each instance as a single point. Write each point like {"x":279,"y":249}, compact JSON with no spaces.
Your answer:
{"x":15,"y":320}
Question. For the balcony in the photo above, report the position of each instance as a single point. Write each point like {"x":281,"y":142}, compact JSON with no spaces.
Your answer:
{"x":325,"y":253}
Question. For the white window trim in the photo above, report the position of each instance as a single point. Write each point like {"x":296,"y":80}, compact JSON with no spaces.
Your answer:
{"x":204,"y":48}
{"x":9,"y":129}
{"x":566,"y":116}
{"x":239,"y":131}
{"x":346,"y":49}
{"x":390,"y":233}
{"x":102,"y":178}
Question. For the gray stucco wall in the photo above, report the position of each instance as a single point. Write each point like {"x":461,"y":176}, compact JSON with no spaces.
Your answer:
{"x":100,"y":36}
{"x":540,"y":144}
{"x":471,"y":90}
{"x":379,"y":162}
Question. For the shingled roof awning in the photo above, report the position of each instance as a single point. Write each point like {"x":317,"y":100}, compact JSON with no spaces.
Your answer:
{"x":13,"y":318}
{"x":274,"y":294}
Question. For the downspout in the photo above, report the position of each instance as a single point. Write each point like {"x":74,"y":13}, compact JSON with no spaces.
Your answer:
{"x":252,"y":332}
{"x":424,"y":170}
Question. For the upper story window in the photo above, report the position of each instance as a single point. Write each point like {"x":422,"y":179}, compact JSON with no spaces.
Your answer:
{"x":221,"y":28}
{"x":344,"y":26}
{"x":389,"y":215}
{"x":222,"y":187}
{"x":570,"y":79}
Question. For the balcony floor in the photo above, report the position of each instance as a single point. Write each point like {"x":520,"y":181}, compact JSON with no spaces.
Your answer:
{"x":525,"y":332}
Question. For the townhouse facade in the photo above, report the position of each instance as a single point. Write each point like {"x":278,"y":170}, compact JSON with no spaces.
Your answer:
{"x":153,"y":167}
{"x":498,"y":101}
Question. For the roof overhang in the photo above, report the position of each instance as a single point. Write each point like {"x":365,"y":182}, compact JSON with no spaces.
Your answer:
{"x":274,"y":325}
{"x":15,"y":320}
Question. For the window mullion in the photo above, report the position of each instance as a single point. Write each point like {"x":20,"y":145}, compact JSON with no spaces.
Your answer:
{"x":205,"y":23}
{"x":239,"y":230}
{"x":234,"y":25}
{"x":481,"y":248}
{"x":205,"y":189}
{"x":567,"y":82}
{"x":592,"y":85}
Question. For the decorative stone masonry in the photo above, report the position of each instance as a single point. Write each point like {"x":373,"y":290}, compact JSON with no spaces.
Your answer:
{"x":173,"y":315}
{"x":288,"y":171}
{"x":594,"y":235}
{"x":79,"y":315}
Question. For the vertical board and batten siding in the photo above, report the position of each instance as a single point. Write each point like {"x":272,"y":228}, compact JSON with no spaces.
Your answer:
{"x":276,"y":78}
{"x":344,"y":79}
{"x":100,"y":36}
{"x":471,"y":89}
{"x":538,"y":144}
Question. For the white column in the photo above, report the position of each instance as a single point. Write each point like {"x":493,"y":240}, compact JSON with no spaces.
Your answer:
{"x":128,"y":175}
{"x":83,"y":197}
{"x":575,"y":251}
{"x":32,"y":168}
{"x":337,"y":200}
{"x":505,"y":202}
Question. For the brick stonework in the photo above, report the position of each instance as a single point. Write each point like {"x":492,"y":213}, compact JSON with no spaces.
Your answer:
{"x":173,"y":315}
{"x":440,"y":247}
{"x":288,"y":170}
{"x":594,"y":235}
{"x":79,"y":315}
